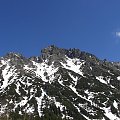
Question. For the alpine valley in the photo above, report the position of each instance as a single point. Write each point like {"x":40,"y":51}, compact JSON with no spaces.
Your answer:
{"x":60,"y":84}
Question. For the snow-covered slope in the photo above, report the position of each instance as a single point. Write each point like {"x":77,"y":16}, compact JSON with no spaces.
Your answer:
{"x":59,"y":85}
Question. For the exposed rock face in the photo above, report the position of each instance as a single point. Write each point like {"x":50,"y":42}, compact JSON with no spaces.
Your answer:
{"x":60,"y":84}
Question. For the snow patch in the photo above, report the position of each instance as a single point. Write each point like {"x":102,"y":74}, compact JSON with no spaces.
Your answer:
{"x":109,"y":114}
{"x":7,"y":73}
{"x":115,"y":104}
{"x":75,"y":79}
{"x":101,"y":79}
{"x":74,"y":65}
{"x":118,"y":78}
{"x":39,"y":102}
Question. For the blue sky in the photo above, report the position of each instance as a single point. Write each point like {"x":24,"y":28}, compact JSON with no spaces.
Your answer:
{"x":27,"y":26}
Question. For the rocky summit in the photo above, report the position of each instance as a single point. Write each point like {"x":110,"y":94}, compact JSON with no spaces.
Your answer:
{"x":60,"y":84}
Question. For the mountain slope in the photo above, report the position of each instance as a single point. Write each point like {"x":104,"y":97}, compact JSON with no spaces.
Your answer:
{"x":59,"y":85}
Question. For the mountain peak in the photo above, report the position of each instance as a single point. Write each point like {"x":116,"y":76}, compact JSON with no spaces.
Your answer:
{"x":53,"y":53}
{"x":13,"y":55}
{"x":51,"y":50}
{"x":60,"y":84}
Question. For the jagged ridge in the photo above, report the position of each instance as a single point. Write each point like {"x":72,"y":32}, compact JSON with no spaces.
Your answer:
{"x":60,"y":84}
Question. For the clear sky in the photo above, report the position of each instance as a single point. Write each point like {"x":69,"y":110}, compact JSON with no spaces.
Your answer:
{"x":27,"y":26}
